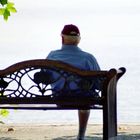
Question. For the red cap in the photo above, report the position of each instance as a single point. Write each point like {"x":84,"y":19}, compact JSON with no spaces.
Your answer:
{"x":71,"y":30}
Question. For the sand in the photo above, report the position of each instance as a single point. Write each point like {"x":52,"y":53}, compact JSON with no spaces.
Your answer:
{"x":63,"y":132}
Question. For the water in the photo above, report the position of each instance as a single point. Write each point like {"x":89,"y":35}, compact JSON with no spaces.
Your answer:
{"x":128,"y":97}
{"x":112,"y":35}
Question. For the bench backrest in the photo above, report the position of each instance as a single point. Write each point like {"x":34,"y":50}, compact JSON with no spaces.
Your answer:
{"x":28,"y":80}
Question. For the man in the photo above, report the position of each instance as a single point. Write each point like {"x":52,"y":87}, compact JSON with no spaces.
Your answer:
{"x":70,"y":53}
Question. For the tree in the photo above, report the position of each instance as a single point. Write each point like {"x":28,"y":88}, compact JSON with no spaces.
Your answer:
{"x":6,"y":8}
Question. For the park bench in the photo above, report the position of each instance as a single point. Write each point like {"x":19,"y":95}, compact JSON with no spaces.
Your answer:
{"x":26,"y":85}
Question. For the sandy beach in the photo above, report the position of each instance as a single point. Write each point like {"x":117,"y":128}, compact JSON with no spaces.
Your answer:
{"x":63,"y":132}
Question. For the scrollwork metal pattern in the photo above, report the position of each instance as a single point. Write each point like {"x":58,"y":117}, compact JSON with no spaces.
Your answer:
{"x":22,"y":83}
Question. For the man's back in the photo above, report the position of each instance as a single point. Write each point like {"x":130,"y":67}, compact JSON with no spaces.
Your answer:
{"x":73,"y":55}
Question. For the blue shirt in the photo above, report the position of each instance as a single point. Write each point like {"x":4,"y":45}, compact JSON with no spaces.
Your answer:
{"x":73,"y":55}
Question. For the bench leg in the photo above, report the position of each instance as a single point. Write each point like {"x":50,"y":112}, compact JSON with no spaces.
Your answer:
{"x":110,"y":116}
{"x":109,"y":126}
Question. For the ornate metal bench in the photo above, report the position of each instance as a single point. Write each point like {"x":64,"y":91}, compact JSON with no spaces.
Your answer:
{"x":24,"y":86}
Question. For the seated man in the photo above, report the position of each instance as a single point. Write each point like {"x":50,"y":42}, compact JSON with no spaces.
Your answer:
{"x":70,"y":53}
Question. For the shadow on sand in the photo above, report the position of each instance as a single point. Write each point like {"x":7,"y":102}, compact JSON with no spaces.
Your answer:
{"x":7,"y":138}
{"x":121,"y":136}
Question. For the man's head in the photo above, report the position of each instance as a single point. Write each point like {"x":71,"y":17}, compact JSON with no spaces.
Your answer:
{"x":70,"y":35}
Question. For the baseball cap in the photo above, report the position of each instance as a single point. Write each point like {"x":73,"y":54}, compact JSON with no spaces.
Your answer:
{"x":71,"y":30}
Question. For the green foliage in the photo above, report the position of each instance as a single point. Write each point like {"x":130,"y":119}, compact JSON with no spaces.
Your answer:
{"x":3,"y":2}
{"x":4,"y":112}
{"x":7,"y":8}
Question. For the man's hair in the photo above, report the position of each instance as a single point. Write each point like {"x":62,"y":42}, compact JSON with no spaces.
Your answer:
{"x":70,"y":40}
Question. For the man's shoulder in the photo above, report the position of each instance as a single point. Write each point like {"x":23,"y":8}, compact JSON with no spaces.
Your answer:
{"x":54,"y":52}
{"x":88,"y":55}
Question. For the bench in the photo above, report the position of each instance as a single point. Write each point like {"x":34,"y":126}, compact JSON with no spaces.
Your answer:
{"x":22,"y":88}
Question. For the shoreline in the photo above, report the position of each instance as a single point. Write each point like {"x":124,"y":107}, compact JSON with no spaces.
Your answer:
{"x":63,"y":131}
